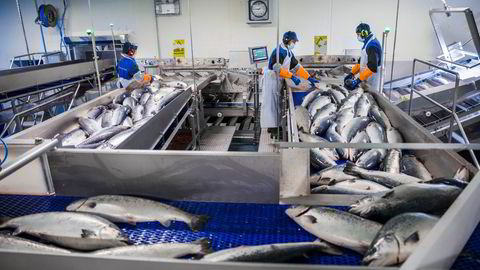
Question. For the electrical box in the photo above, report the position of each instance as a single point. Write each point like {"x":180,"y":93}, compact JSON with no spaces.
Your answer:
{"x":258,"y":54}
{"x":167,"y":7}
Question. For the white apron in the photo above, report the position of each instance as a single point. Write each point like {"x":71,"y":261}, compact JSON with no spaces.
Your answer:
{"x":374,"y":80}
{"x":123,"y":83}
{"x":271,"y":94}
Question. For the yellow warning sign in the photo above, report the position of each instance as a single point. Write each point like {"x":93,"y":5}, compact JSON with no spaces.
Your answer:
{"x":320,"y":45}
{"x":179,"y":48}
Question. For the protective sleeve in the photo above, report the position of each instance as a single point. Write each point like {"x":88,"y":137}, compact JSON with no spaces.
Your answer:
{"x":302,"y":73}
{"x":365,"y":74}
{"x":285,"y":73}
{"x":373,"y":58}
{"x":355,"y":69}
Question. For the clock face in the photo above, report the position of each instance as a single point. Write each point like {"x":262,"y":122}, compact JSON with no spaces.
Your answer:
{"x":259,"y":9}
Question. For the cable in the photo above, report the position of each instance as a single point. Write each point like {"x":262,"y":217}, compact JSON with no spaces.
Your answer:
{"x":6,"y":152}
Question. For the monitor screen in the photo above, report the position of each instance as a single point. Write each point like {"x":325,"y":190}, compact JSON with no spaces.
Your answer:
{"x":259,"y":54}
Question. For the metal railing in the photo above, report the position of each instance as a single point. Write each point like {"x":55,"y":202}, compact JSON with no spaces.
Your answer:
{"x":452,"y":112}
{"x":31,"y":58}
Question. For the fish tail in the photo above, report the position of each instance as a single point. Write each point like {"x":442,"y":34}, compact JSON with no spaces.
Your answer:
{"x":328,"y":248}
{"x":205,"y":245}
{"x":351,"y":168}
{"x":198,"y":222}
{"x":3,"y":221}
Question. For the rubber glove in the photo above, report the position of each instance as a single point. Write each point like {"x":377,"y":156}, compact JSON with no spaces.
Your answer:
{"x":312,"y":81}
{"x":295,"y":80}
{"x":352,"y":84}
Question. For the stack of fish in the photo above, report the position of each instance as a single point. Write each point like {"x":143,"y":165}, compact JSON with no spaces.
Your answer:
{"x":402,"y":196}
{"x":107,"y":126}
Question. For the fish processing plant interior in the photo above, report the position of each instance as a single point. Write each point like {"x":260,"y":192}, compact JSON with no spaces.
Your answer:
{"x":162,"y":134}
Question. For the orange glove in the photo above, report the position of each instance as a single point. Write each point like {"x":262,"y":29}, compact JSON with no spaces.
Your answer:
{"x":365,"y":74}
{"x":302,"y":73}
{"x":285,"y":73}
{"x":147,"y":78}
{"x":355,"y":69}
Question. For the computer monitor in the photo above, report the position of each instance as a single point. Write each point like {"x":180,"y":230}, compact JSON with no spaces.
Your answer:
{"x":258,"y":54}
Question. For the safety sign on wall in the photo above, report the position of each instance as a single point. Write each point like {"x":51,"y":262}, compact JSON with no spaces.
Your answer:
{"x":179,"y":48}
{"x":320,"y":45}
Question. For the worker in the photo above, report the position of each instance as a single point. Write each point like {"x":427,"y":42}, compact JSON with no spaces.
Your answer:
{"x":127,"y":68}
{"x":286,"y":68}
{"x":369,"y":62}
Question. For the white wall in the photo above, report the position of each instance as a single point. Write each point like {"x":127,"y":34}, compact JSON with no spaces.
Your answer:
{"x":220,"y":30}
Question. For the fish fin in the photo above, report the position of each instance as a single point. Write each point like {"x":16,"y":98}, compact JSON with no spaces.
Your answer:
{"x":304,"y":211}
{"x":131,"y":221}
{"x":311,"y":218}
{"x":413,"y":238}
{"x":198,"y":222}
{"x":332,"y":182}
{"x":87,"y":233}
{"x":388,"y":194}
{"x":17,"y":231}
{"x":350,"y":168}
{"x":205,"y":245}
{"x":319,"y":189}
{"x":165,"y":223}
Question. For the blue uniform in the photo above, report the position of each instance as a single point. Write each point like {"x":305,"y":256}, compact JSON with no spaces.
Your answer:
{"x":127,"y":67}
{"x":374,"y":52}
{"x":282,"y":55}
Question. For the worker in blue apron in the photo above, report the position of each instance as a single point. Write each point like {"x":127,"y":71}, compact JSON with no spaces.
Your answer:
{"x":127,"y":68}
{"x":287,"y":66}
{"x":369,"y":62}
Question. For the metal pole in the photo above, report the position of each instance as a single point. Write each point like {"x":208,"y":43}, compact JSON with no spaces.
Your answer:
{"x":393,"y":53}
{"x":23,"y":28}
{"x":41,"y":32}
{"x":12,"y":166}
{"x":277,"y":75}
{"x":114,"y":49}
{"x":73,"y":98}
{"x":156,"y":29}
{"x":94,"y":46}
{"x":196,"y":91}
{"x":454,"y":108}
{"x":382,"y":67}
{"x":411,"y":88}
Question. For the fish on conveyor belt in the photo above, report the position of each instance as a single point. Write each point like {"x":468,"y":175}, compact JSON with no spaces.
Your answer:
{"x":120,"y":97}
{"x":129,"y":102}
{"x":104,"y":134}
{"x":137,"y":113}
{"x":160,"y":250}
{"x":142,"y":122}
{"x":72,"y":138}
{"x":116,"y":140}
{"x":355,"y":153}
{"x":383,"y":178}
{"x":303,"y":118}
{"x":336,"y":227}
{"x":119,"y":114}
{"x":318,"y":103}
{"x":343,"y":118}
{"x":394,"y":136}
{"x":326,"y":176}
{"x":89,"y":125}
{"x":412,"y":166}
{"x":322,"y":119}
{"x":143,"y":100}
{"x":130,"y":210}
{"x":137,"y":94}
{"x":94,"y":112}
{"x":15,"y":243}
{"x":391,"y":163}
{"x":350,"y":101}
{"x":447,"y":181}
{"x":127,"y":122}
{"x":310,"y":97}
{"x":362,"y":107}
{"x":354,"y":187}
{"x":370,"y":159}
{"x":355,"y":125}
{"x":107,"y":119}
{"x":280,"y":252}
{"x":336,"y":96}
{"x":380,"y":117}
{"x":71,"y":230}
{"x":462,"y":174}
{"x":90,"y":146}
{"x":320,"y":158}
{"x":332,"y":136}
{"x":340,"y":88}
{"x":415,"y":197}
{"x":398,"y":238}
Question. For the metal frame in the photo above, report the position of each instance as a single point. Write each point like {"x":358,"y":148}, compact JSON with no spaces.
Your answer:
{"x":453,"y":113}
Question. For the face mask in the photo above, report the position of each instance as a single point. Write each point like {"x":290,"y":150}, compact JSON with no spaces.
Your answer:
{"x":291,"y":46}
{"x":360,"y":39}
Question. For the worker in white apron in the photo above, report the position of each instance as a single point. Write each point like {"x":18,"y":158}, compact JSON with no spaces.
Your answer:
{"x":369,"y":62}
{"x":287,"y":65}
{"x":127,"y":68}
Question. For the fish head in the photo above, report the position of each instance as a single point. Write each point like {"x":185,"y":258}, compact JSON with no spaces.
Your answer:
{"x":297,"y":210}
{"x":76,"y":205}
{"x":384,"y":251}
{"x":112,"y":232}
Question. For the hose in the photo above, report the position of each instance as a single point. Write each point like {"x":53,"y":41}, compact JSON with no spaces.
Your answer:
{"x":5,"y":156}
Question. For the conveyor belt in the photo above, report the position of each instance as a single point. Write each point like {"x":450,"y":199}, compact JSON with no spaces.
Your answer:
{"x":216,"y":138}
{"x":230,"y":225}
